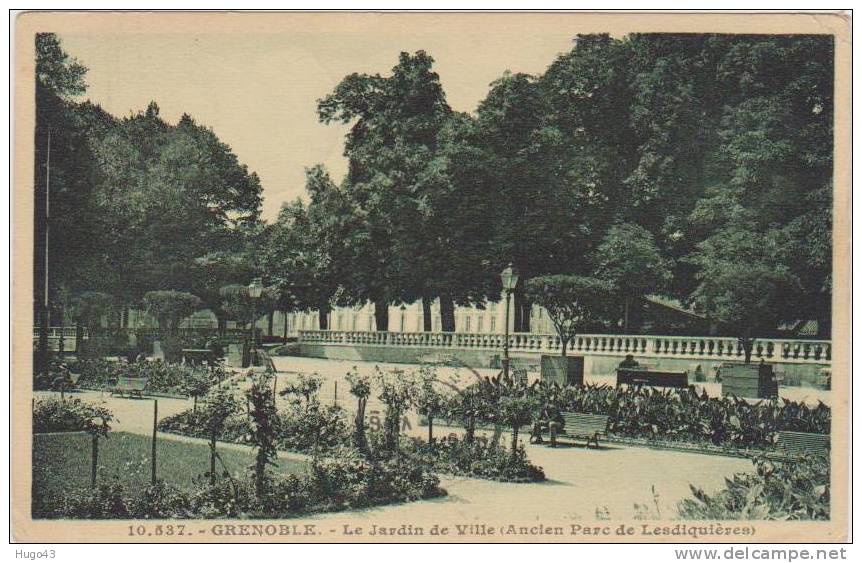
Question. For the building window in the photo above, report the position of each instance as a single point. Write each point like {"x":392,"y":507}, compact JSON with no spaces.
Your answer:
{"x":466,"y":324}
{"x":479,"y":323}
{"x":493,"y":324}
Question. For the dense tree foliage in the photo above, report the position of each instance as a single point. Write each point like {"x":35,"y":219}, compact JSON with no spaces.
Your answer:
{"x":628,"y":159}
{"x":630,"y":260}
{"x":136,"y":204}
{"x":698,"y":167}
{"x":574,"y":303}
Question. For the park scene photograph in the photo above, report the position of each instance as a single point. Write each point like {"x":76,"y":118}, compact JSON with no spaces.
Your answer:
{"x":347,"y":279}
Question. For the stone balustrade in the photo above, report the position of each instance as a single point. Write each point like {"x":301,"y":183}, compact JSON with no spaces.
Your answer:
{"x":683,"y":347}
{"x":54,"y":332}
{"x":69,"y":337}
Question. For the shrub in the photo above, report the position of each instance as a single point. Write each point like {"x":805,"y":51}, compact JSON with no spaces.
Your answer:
{"x":161,"y":377}
{"x":479,"y":458}
{"x":107,"y":500}
{"x":70,"y":415}
{"x":320,"y":427}
{"x":295,"y":428}
{"x":343,"y":480}
{"x":347,"y":478}
{"x":790,"y":490}
{"x":686,"y":416}
{"x":101,"y":346}
{"x":170,"y":307}
{"x":57,"y":378}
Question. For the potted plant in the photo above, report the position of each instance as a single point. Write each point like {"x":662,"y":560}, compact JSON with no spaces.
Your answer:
{"x":572,"y":303}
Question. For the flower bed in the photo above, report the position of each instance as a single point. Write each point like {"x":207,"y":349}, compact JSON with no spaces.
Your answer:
{"x":297,"y":429}
{"x":70,"y":415}
{"x":162,"y":377}
{"x":341,"y":481}
{"x":792,"y":490}
{"x":684,"y":416}
{"x":481,"y":459}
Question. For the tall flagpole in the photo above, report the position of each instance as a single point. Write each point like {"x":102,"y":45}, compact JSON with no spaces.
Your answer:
{"x":43,"y":325}
{"x":47,"y":216}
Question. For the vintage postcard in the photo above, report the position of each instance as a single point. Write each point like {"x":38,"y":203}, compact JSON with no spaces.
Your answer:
{"x":431,"y":277}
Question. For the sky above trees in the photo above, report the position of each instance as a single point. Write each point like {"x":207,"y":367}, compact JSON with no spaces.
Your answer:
{"x":259,"y":92}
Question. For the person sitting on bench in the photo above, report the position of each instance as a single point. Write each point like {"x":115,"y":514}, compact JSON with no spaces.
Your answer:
{"x":538,"y":425}
{"x":629,"y":362}
{"x":546,"y":423}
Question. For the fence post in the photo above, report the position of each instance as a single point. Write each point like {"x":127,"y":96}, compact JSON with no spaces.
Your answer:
{"x":155,"y":427}
{"x":94,"y":460}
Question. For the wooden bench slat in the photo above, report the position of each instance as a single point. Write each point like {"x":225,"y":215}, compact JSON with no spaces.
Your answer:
{"x":798,"y":443}
{"x":583,"y":425}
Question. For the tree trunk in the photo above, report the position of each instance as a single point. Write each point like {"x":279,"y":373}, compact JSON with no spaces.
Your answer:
{"x":221,"y":323}
{"x":522,"y":309}
{"x":470,"y":430}
{"x":259,"y":475}
{"x":270,"y":317}
{"x":79,"y":337}
{"x":323,"y":316}
{"x":430,"y":431}
{"x":381,"y":315}
{"x":515,"y":429}
{"x":284,"y":330}
{"x":447,"y":314}
{"x":747,"y":346}
{"x":626,"y":315}
{"x":526,"y":314}
{"x":392,"y":424}
{"x":517,"y":313}
{"x":824,"y":315}
{"x":495,"y":437}
{"x":426,"y":314}
{"x":565,"y":344}
{"x":212,"y":458}
{"x":359,"y":427}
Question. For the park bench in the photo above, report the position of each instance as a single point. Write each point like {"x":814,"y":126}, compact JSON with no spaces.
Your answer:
{"x":799,"y":444}
{"x":128,"y":386}
{"x":582,"y":425}
{"x":198,"y":356}
{"x":653,"y":378}
{"x":526,"y":364}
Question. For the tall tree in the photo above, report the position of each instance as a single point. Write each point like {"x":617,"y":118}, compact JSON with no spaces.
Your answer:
{"x":390,"y":147}
{"x":309,"y":250}
{"x":62,"y":175}
{"x":630,"y":260}
{"x":744,"y":282}
{"x":173,"y":199}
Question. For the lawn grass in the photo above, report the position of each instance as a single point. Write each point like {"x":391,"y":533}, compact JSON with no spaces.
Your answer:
{"x":62,"y":462}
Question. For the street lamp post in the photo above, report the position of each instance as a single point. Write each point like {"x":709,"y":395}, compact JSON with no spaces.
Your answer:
{"x":255,"y":290}
{"x":509,"y":279}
